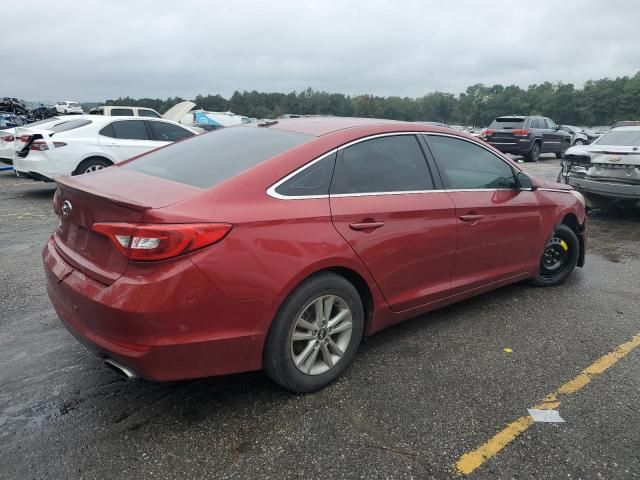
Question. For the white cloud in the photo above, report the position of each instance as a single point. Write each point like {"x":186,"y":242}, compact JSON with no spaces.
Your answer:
{"x":93,"y":50}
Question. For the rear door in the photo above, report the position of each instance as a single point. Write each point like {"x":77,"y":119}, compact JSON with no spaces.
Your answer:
{"x":499,"y":225}
{"x":123,"y":139}
{"x":385,"y":205}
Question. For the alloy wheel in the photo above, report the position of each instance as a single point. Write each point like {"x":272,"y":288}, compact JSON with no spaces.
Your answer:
{"x":321,"y":335}
{"x":93,"y":168}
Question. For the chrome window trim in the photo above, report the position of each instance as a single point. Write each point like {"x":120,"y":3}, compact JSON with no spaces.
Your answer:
{"x":271,"y":191}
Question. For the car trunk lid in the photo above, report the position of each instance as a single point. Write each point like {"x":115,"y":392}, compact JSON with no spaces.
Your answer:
{"x":111,"y":195}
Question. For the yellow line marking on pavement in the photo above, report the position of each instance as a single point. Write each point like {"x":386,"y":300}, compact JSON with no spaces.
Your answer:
{"x":471,"y":461}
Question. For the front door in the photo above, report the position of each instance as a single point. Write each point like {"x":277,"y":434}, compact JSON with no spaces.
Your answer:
{"x":499,"y":225}
{"x":384,"y":204}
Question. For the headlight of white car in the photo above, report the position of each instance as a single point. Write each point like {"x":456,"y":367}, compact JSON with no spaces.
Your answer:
{"x":579,"y":196}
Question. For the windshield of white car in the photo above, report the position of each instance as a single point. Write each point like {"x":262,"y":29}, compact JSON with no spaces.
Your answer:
{"x":70,"y":125}
{"x":40,"y":122}
{"x":620,"y":138}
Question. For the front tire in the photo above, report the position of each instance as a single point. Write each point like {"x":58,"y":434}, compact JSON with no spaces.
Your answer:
{"x":315,"y":334}
{"x":559,"y":258}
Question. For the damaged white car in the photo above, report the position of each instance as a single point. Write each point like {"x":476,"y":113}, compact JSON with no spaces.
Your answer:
{"x":607,"y":169}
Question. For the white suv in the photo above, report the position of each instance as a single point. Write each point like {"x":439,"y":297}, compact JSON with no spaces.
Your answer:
{"x":68,"y":107}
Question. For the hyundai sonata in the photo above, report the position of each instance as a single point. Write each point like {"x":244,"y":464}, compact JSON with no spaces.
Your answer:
{"x":278,"y":245}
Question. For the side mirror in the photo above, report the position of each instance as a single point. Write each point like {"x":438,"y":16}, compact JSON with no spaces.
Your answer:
{"x":558,"y":127}
{"x":525,"y":182}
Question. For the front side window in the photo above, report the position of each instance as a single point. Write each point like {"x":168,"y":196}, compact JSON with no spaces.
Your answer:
{"x":464,"y":165}
{"x":385,"y":164}
{"x":127,"y":130}
{"x":550,"y":123}
{"x":313,"y":180}
{"x":167,"y":132}
{"x":121,"y":112}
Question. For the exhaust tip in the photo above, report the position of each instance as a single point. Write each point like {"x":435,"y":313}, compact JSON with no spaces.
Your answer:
{"x":120,"y":369}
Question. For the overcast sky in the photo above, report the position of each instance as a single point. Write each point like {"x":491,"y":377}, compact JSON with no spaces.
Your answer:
{"x":90,"y":50}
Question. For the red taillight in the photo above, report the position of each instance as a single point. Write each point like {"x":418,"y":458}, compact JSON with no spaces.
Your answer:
{"x":488,"y":131}
{"x":24,"y":138}
{"x":144,"y":242}
{"x":41,"y":145}
{"x":519,"y":132}
{"x":8,"y":138}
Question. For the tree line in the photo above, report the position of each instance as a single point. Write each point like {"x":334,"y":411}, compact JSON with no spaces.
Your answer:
{"x":598,"y":102}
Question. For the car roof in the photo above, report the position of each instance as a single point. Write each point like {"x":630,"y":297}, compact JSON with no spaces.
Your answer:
{"x":319,"y":126}
{"x":626,"y":128}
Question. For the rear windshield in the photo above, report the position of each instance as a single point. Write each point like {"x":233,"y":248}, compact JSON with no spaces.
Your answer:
{"x":211,"y":158}
{"x":74,"y":104}
{"x":507,"y":123}
{"x":620,"y":138}
{"x":70,"y":125}
{"x":40,"y":122}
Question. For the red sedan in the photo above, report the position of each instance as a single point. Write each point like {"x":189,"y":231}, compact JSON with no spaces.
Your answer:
{"x":276,"y":246}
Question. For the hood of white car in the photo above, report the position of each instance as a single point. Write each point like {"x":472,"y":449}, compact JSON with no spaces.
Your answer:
{"x":177,"y":112}
{"x":607,"y":154}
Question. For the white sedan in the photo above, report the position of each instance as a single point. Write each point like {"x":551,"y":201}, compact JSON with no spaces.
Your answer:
{"x":83,"y":144}
{"x":7,"y":137}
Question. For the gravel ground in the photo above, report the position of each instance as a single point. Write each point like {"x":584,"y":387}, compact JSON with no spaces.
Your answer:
{"x":418,"y":396}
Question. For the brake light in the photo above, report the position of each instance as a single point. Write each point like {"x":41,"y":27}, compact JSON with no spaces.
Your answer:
{"x":8,"y":138}
{"x":41,"y":145}
{"x":24,"y":138}
{"x":146,"y":242}
{"x":488,"y":131}
{"x":520,"y":132}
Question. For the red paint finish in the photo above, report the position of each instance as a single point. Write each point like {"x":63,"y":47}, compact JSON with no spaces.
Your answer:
{"x":208,"y":312}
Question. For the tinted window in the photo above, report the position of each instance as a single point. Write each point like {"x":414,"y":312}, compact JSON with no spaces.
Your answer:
{"x":70,"y":125}
{"x":313,"y":180}
{"x":74,"y":104}
{"x":550,"y":123}
{"x":622,"y":138}
{"x":464,"y":165}
{"x":167,"y":132}
{"x":211,"y":158}
{"x":387,"y":164}
{"x":148,"y":113}
{"x":130,"y":130}
{"x":121,"y":112}
{"x":507,"y":123}
{"x":40,"y":122}
{"x":538,"y":123}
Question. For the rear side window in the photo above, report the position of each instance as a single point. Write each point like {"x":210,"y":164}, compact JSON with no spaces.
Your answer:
{"x":211,"y":158}
{"x":148,"y":113}
{"x":386,"y":164}
{"x":167,"y":132}
{"x":126,"y":129}
{"x":70,"y":125}
{"x":121,"y":112}
{"x":464,"y":165}
{"x":538,"y":123}
{"x":313,"y":180}
{"x":507,"y":123}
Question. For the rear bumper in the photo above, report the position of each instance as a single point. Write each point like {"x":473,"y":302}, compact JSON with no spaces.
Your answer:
{"x":520,"y":148}
{"x":174,"y":326}
{"x":38,"y":167}
{"x":614,"y":190}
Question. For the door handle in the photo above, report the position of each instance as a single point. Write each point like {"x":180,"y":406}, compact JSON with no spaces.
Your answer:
{"x":365,"y":225}
{"x":471,"y":218}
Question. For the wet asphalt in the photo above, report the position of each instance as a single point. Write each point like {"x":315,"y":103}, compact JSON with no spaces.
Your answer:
{"x":418,"y":396}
